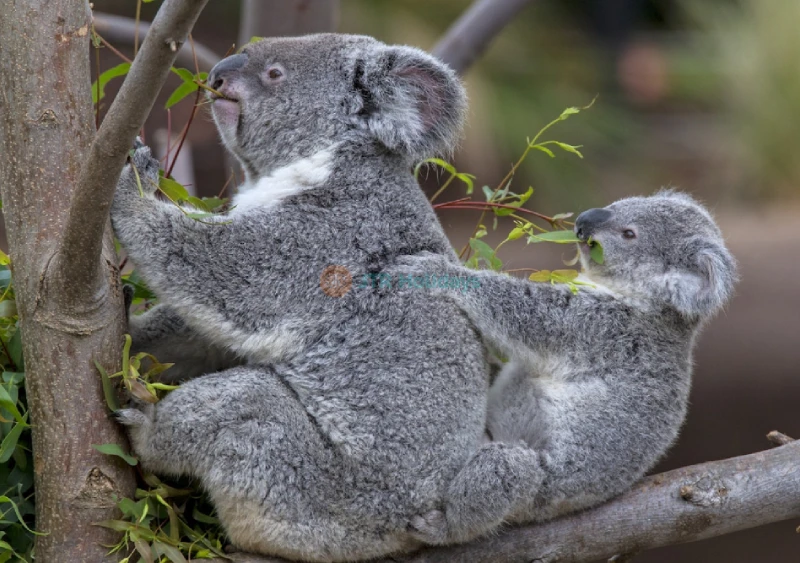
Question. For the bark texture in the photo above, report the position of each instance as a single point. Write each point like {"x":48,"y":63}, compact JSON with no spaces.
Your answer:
{"x":57,"y":180}
{"x":684,"y":505}
{"x":46,"y":127}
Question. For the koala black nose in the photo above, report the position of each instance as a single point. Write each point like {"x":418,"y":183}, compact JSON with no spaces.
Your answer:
{"x":588,"y":222}
{"x":216,"y":78}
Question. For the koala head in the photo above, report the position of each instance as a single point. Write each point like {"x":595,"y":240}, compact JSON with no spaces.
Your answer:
{"x":666,"y":247}
{"x":283,"y":99}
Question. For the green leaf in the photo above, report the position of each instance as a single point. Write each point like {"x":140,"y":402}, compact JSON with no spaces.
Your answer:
{"x":10,"y":441}
{"x":108,"y":388}
{"x":15,"y":349}
{"x":569,"y":111}
{"x":540,"y":276}
{"x":115,"y":449}
{"x":170,"y":552}
{"x":560,"y":237}
{"x":185,"y":74}
{"x":488,"y":192}
{"x":564,"y":276}
{"x":172,"y":189}
{"x":596,"y":252}
{"x":516,"y":232}
{"x":569,"y":148}
{"x":484,"y":251}
{"x":114,"y":72}
{"x":180,"y":93}
{"x":15,"y":508}
{"x":544,"y":149}
{"x":8,"y":403}
{"x":560,"y":216}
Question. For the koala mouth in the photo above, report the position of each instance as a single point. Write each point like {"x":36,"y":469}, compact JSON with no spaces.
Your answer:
{"x":222,"y":97}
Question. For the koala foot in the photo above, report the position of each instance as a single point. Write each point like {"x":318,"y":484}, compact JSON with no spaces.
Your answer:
{"x":430,"y":528}
{"x":130,"y":417}
{"x":139,"y":424}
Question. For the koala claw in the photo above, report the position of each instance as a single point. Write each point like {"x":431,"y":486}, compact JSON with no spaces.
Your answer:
{"x":430,"y":528}
{"x":146,"y":167}
{"x":130,"y":417}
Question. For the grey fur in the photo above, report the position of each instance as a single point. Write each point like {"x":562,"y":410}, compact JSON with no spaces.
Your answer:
{"x":598,"y":382}
{"x":349,"y":415}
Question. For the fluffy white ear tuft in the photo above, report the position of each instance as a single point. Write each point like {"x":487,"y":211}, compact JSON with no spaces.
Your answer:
{"x":704,"y":289}
{"x":409,"y":101}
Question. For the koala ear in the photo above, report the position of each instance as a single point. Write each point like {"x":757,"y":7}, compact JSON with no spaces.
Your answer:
{"x":408,"y":100}
{"x":706,"y":288}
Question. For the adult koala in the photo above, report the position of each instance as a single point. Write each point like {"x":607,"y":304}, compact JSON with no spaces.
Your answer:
{"x":598,"y":381}
{"x":351,"y":414}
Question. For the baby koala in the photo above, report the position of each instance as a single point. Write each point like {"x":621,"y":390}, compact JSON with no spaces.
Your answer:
{"x":598,"y":382}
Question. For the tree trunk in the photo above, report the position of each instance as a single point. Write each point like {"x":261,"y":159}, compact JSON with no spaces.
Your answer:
{"x":46,"y":128}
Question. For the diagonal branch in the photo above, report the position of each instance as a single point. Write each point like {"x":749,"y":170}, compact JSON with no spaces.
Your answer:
{"x":684,"y":505}
{"x":471,"y":34}
{"x":75,"y":266}
{"x":119,"y":29}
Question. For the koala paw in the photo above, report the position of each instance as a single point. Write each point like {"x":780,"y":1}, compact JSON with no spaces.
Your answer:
{"x":139,"y":423}
{"x":141,"y":172}
{"x":430,"y":528}
{"x":130,"y":417}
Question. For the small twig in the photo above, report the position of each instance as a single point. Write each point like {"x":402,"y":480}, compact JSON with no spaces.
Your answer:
{"x":623,"y":557}
{"x":136,"y":31}
{"x":487,"y":205}
{"x":779,"y":439}
{"x":185,"y":132}
{"x":122,"y":30}
{"x":113,"y":49}
{"x":97,"y":87}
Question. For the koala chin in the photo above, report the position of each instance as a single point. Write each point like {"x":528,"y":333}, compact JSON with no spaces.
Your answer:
{"x":320,"y":423}
{"x":598,"y":381}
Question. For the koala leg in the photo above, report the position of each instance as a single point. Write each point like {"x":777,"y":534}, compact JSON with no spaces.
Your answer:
{"x":164,"y":334}
{"x":482,"y":495}
{"x":244,"y":434}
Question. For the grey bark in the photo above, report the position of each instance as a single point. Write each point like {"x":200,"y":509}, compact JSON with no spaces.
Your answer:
{"x":77,"y":260}
{"x":56,"y":193}
{"x":473,"y":32}
{"x":684,"y":505}
{"x":46,"y":126}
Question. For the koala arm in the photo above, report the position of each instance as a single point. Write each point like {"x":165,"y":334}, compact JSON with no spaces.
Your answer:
{"x":162,"y":332}
{"x":512,"y":314}
{"x":190,"y":264}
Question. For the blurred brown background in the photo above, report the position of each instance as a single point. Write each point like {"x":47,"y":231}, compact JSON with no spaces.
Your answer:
{"x":700,"y":95}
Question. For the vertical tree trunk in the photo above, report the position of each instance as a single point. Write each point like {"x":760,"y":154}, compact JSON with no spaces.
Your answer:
{"x":46,"y":127}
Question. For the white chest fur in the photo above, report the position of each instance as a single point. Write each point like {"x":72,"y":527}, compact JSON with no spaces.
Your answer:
{"x":285,"y":181}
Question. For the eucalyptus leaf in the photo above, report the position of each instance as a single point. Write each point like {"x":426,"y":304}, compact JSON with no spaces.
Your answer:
{"x":116,"y":450}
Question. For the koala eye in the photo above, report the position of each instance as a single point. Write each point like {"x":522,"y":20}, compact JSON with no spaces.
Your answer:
{"x":275,"y":73}
{"x":628,"y":234}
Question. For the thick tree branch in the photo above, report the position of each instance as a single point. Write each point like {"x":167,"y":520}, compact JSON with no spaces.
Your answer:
{"x":119,"y":29}
{"x":471,"y":34}
{"x":76,"y":263}
{"x":684,"y":505}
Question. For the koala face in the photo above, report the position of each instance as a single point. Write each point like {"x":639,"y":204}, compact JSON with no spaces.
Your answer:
{"x":284,"y":99}
{"x":665,"y":247}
